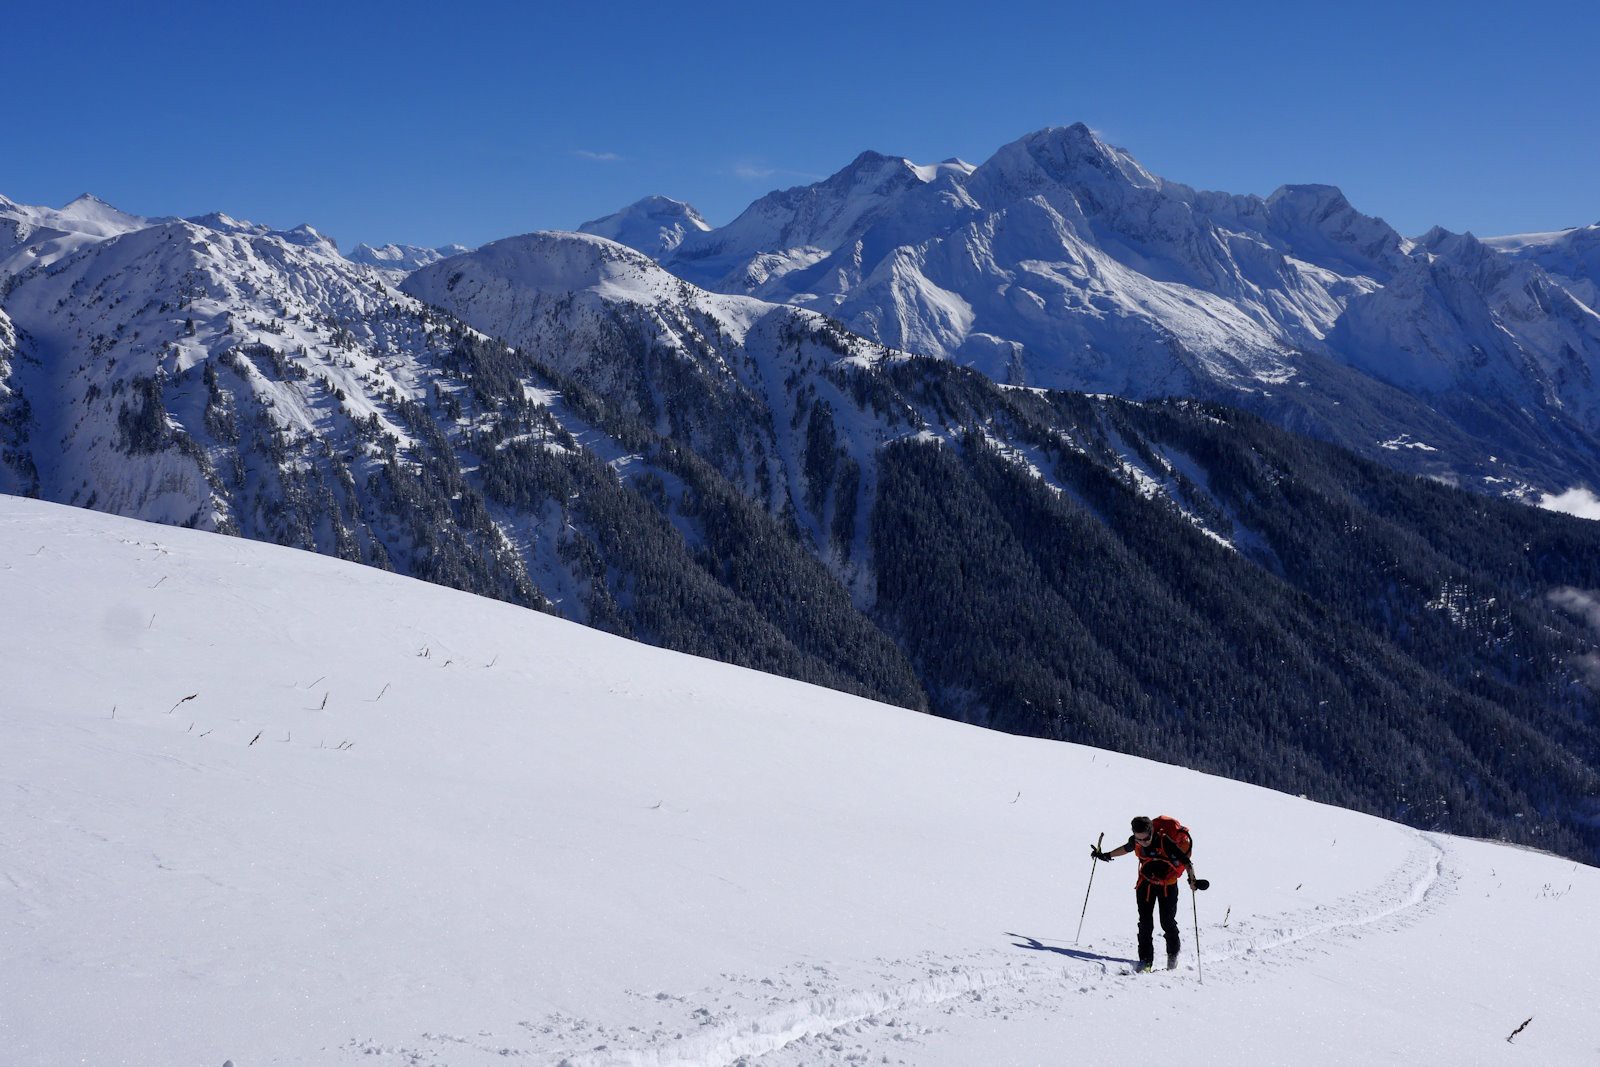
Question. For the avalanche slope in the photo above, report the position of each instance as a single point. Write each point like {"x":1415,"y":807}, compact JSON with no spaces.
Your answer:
{"x":267,"y":806}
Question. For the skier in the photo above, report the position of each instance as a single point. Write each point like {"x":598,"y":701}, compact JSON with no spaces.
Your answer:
{"x":1162,"y":846}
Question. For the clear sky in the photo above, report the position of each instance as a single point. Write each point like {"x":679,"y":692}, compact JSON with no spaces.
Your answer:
{"x":463,"y":120}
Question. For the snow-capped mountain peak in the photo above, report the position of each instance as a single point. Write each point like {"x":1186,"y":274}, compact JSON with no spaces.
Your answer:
{"x":402,"y":259}
{"x":91,"y":211}
{"x":791,"y":229}
{"x":39,"y":236}
{"x":308,"y":237}
{"x":931,"y":172}
{"x":1068,"y":155}
{"x":655,"y":225}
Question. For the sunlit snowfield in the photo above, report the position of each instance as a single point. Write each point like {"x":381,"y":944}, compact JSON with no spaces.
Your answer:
{"x":265,"y":806}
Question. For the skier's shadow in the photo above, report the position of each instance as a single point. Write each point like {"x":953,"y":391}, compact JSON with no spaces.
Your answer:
{"x":1036,"y":945}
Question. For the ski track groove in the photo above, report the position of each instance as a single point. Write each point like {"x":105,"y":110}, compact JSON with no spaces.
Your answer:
{"x":1418,"y":881}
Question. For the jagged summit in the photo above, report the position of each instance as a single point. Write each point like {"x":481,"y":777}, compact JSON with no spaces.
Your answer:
{"x":1308,"y":198}
{"x":1069,"y":155}
{"x":222,"y":221}
{"x":402,"y":259}
{"x":305,"y":234}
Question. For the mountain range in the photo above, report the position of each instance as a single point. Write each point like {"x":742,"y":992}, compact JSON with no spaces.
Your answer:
{"x":752,"y":471}
{"x":1061,"y":262}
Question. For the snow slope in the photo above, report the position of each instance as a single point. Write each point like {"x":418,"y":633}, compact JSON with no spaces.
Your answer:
{"x":266,"y":806}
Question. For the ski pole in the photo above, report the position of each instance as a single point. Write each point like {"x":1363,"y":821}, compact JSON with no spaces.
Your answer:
{"x":1092,"y":864}
{"x":1194,"y":901}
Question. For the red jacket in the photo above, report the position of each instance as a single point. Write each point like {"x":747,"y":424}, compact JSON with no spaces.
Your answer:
{"x":1161,"y":862}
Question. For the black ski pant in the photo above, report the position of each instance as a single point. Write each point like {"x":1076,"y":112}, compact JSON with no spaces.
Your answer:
{"x":1150,"y":896}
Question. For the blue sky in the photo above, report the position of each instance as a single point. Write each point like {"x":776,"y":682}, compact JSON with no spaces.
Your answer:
{"x":466,"y":121}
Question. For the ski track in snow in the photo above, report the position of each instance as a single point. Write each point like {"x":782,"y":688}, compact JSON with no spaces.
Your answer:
{"x":853,"y":1025}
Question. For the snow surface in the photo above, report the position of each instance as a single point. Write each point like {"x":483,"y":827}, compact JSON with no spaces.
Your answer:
{"x":266,"y":806}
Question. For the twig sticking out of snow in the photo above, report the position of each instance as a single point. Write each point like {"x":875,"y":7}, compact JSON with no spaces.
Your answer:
{"x":379,"y":697}
{"x":1519,"y":1029}
{"x":182,"y":702}
{"x":254,"y":739}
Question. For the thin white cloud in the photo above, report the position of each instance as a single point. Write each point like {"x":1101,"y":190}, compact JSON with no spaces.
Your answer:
{"x":598,"y":157}
{"x":754,"y":172}
{"x":1585,"y":605}
{"x":1579,"y":502}
{"x":1577,"y":602}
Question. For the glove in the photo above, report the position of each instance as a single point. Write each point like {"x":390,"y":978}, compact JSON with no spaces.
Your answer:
{"x":1097,"y":854}
{"x":1200,"y":883}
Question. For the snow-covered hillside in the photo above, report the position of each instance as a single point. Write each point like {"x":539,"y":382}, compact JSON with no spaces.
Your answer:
{"x":270,"y":807}
{"x":731,"y":375}
{"x":256,"y":333}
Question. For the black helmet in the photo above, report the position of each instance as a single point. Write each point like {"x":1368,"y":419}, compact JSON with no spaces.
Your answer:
{"x":1141,"y":824}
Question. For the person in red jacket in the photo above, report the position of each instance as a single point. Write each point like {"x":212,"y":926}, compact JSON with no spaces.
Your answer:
{"x":1163,"y":862}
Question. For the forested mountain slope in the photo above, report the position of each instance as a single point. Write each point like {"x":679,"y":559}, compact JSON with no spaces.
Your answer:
{"x":556,"y":421}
